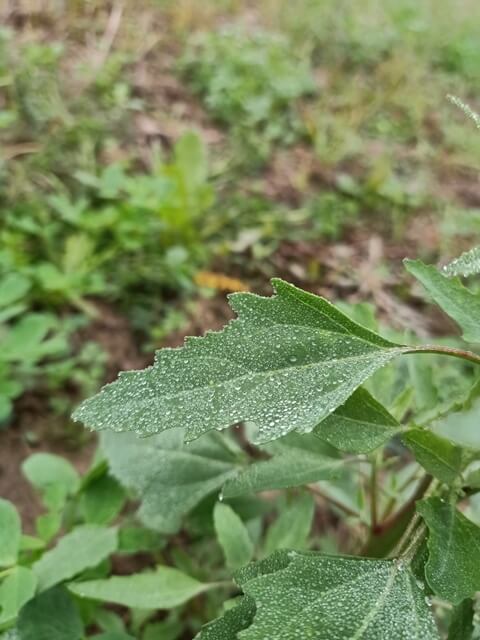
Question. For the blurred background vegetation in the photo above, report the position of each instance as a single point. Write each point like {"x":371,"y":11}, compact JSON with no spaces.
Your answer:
{"x":158,"y":154}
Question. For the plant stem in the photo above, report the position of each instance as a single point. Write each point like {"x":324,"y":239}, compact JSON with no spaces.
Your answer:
{"x":336,"y":503}
{"x":447,"y":351}
{"x":419,"y":493}
{"x":373,"y":494}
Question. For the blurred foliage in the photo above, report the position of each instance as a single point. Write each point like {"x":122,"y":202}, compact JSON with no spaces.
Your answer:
{"x":250,"y":80}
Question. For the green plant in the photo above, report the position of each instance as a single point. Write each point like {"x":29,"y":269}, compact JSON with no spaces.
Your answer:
{"x":250,"y":82}
{"x":292,"y":366}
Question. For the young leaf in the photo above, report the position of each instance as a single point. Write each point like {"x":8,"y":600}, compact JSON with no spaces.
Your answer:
{"x":360,"y":425}
{"x":10,"y":533}
{"x":164,"y":588}
{"x":296,"y":460}
{"x":454,"y":545}
{"x":50,"y":616}
{"x":232,"y":622}
{"x":102,"y":500}
{"x":455,"y":299}
{"x":440,"y":457}
{"x":15,"y":590}
{"x":461,"y":623}
{"x":284,"y":364}
{"x":85,"y":547}
{"x":292,"y":527}
{"x":53,"y":476}
{"x":467,"y":264}
{"x":170,"y":477}
{"x":233,"y":536}
{"x":332,"y":598}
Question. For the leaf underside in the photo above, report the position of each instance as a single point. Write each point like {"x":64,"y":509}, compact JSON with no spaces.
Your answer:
{"x":285,"y":364}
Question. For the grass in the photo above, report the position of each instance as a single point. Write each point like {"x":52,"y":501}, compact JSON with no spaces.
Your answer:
{"x":143,"y":147}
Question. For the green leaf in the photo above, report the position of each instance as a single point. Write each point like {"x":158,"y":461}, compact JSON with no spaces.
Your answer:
{"x":164,"y":588}
{"x":460,"y":424}
{"x":284,"y":364}
{"x":53,"y":476}
{"x":360,"y":425}
{"x":15,"y":590}
{"x":85,"y":547}
{"x":191,"y":158}
{"x":461,"y":623}
{"x":296,"y":460}
{"x":307,"y":595}
{"x":169,"y":476}
{"x":455,"y":299}
{"x":232,"y":536}
{"x":13,"y":288}
{"x":232,"y":622}
{"x":292,"y":527}
{"x":102,"y":500}
{"x":113,"y":635}
{"x":10,"y":533}
{"x":467,"y":264}
{"x":50,"y":616}
{"x":440,"y":457}
{"x":454,"y":545}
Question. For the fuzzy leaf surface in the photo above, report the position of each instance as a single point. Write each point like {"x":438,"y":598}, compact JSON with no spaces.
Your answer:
{"x":169,"y":476}
{"x":440,"y":457}
{"x":360,"y":425}
{"x":233,"y":621}
{"x":468,"y":264}
{"x":296,"y":460}
{"x":452,"y":570}
{"x":308,"y":595}
{"x":457,"y":301}
{"x":284,"y":364}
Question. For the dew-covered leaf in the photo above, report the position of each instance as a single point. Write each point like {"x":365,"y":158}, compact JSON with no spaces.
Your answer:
{"x":233,"y":536}
{"x":164,"y":588}
{"x":10,"y":533}
{"x":51,"y":615}
{"x":169,"y":476}
{"x":467,"y":264}
{"x":296,"y":460}
{"x":452,"y":570}
{"x":308,"y":595}
{"x":285,"y":364}
{"x":360,"y":425}
{"x":440,"y":457}
{"x":84,"y":547}
{"x":456,"y":300}
{"x":15,"y":590}
{"x":231,"y":623}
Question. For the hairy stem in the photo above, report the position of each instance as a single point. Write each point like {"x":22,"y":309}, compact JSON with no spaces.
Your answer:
{"x":447,"y":351}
